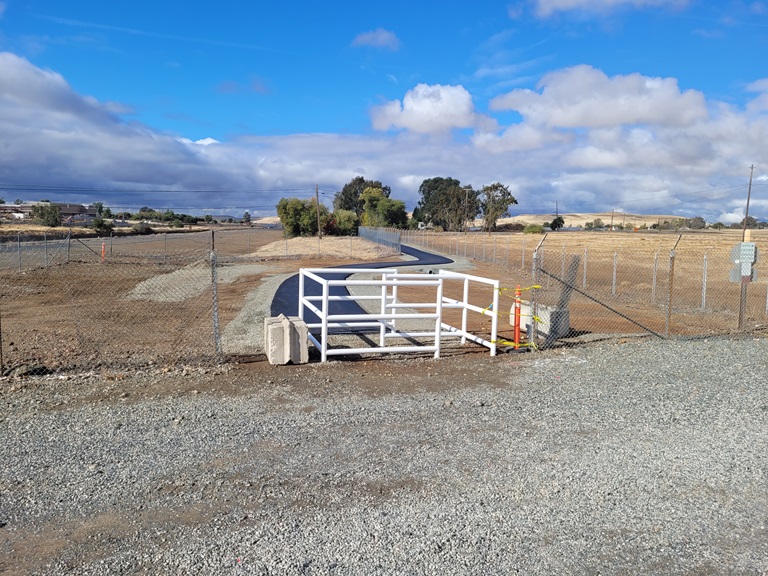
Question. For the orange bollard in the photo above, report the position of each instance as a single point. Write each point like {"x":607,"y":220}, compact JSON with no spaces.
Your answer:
{"x":518,"y":294}
{"x":103,"y":251}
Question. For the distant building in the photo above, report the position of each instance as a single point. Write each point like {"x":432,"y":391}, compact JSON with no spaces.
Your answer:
{"x":69,"y":212}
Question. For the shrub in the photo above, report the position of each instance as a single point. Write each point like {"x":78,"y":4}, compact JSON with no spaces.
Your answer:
{"x":511,"y":227}
{"x":101,"y":226}
{"x":142,"y":228}
{"x":533,"y":229}
{"x":344,"y":222}
{"x":47,"y":214}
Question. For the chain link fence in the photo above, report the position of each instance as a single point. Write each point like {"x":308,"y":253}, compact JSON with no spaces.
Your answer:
{"x":615,"y":284}
{"x":71,"y":303}
{"x":194,"y":298}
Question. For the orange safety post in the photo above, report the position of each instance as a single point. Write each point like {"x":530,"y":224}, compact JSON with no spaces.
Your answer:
{"x":103,"y":251}
{"x":518,"y":294}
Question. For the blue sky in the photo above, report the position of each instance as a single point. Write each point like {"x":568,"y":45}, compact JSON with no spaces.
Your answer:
{"x":643,"y":106}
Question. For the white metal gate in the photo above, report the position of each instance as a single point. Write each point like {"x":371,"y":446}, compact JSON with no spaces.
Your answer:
{"x":391,"y":310}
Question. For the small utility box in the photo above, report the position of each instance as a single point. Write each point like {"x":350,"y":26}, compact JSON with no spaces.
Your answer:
{"x":285,"y":340}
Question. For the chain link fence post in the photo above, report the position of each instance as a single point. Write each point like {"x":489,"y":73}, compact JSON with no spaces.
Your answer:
{"x":215,"y":304}
{"x":704,"y":285}
{"x":671,"y":284}
{"x":535,"y":273}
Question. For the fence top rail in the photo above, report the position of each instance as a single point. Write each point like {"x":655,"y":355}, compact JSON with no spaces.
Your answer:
{"x":316,"y":271}
{"x":463,"y":276}
{"x":427,"y":281}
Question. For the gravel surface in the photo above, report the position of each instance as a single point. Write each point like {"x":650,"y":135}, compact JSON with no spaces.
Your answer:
{"x":624,"y":457}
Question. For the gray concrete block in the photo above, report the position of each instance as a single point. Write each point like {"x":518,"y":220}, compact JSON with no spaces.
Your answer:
{"x":285,"y":340}
{"x":555,"y":322}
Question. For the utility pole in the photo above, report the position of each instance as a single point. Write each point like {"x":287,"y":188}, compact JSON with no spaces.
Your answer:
{"x":492,"y":216}
{"x":612,"y":220}
{"x":745,"y":279}
{"x":746,"y":212}
{"x":466,"y":209}
{"x":317,"y":200}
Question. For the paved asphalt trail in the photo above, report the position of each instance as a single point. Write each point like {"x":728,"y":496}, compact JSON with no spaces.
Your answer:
{"x":286,"y":299}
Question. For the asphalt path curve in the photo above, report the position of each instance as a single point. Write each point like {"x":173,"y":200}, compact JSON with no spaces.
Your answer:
{"x":286,"y":299}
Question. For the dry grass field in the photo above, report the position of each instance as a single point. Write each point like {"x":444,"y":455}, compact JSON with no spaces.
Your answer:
{"x":629,"y":272}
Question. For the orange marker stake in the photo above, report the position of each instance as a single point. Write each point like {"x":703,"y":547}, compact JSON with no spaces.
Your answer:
{"x":518,"y":293}
{"x":103,"y":251}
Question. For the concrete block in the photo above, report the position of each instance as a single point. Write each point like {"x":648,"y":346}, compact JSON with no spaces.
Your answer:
{"x":554,"y":322}
{"x":285,"y":340}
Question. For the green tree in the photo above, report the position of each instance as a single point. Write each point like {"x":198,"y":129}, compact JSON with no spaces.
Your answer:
{"x":99,"y":206}
{"x":349,"y":197}
{"x":246,"y":217}
{"x":380,"y":211}
{"x":455,"y":206}
{"x":343,"y":223}
{"x":299,"y":217}
{"x":47,"y":214}
{"x":697,"y":223}
{"x":18,"y":201}
{"x":208,"y":218}
{"x":751,"y":222}
{"x":495,"y":200}
{"x":2,"y":200}
{"x":431,"y":203}
{"x":392,"y":213}
{"x":446,"y":203}
{"x":371,"y":197}
{"x":557,"y":223}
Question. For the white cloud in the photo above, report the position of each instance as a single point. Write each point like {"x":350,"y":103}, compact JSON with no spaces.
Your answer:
{"x":545,"y":8}
{"x":582,"y":96}
{"x":53,"y":135}
{"x":427,"y":109}
{"x":379,"y":38}
{"x":517,"y":138}
{"x":732,"y":217}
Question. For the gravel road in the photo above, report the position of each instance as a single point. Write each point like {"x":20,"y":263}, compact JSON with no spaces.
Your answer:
{"x":622,"y":457}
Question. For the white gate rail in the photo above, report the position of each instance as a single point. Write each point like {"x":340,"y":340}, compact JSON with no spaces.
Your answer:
{"x":386,"y":319}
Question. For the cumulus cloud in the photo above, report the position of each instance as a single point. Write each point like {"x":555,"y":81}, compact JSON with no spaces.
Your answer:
{"x":53,"y":135}
{"x":517,"y":138}
{"x":427,"y":109}
{"x":582,"y":96}
{"x":379,"y":38}
{"x":545,"y":8}
{"x":758,"y":104}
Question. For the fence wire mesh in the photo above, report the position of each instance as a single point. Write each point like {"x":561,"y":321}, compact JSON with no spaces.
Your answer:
{"x":90,"y":303}
{"x":616,"y":284}
{"x":170,"y":299}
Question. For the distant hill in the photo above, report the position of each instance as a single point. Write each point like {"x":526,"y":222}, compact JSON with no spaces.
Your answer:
{"x":574,"y":219}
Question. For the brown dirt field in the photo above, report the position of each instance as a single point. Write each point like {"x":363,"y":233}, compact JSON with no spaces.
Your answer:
{"x":81,"y":315}
{"x":88,"y":314}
